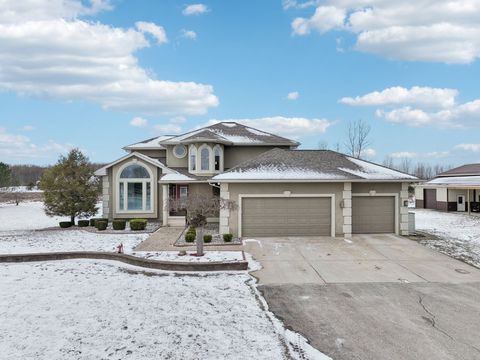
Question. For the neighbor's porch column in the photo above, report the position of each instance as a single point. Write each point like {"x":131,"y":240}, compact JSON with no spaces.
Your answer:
{"x":165,"y":209}
{"x":224,"y":213}
{"x":347,"y":210}
{"x":468,"y":201}
{"x":106,"y":197}
{"x":404,"y":209}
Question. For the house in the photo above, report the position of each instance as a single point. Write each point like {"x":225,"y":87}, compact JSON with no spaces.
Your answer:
{"x":453,"y":190}
{"x":278,"y":190}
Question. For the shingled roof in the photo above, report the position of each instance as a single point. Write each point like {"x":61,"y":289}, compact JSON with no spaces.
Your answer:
{"x":231,"y":133}
{"x":149,"y":144}
{"x":468,"y":169}
{"x":310,"y":165}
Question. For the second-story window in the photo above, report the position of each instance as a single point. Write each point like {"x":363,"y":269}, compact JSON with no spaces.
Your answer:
{"x":205,"y":159}
{"x":217,"y":153}
{"x":193,"y":158}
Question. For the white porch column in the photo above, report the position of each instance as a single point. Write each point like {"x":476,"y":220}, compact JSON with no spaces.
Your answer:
{"x":347,"y":210}
{"x":403,"y":209}
{"x":224,"y":213}
{"x":468,"y":200}
{"x":165,"y":210}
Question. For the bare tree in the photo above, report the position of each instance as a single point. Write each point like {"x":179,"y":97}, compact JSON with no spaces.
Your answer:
{"x":405,"y":165}
{"x":388,"y":162}
{"x":199,"y":207}
{"x":358,"y":138}
{"x":323,"y":145}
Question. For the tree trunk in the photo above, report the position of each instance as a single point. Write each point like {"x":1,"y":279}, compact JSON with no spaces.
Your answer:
{"x":200,"y":241}
{"x":72,"y":219}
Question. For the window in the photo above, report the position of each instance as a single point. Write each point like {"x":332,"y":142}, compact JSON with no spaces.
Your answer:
{"x":205,"y":159}
{"x":183,"y":191}
{"x":217,"y":153}
{"x":135,"y":189}
{"x":180,"y":151}
{"x":193,"y":158}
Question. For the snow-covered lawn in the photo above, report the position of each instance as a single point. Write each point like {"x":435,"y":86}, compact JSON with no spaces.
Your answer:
{"x":26,"y":216}
{"x":87,"y":309}
{"x":223,"y":256}
{"x":65,"y":240}
{"x":459,"y":233}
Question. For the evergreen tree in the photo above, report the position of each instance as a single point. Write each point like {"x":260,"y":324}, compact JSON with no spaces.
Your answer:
{"x":70,"y":188}
{"x":5,"y":175}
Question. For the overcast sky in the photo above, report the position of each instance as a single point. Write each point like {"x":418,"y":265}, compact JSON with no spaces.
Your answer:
{"x":102,"y":74}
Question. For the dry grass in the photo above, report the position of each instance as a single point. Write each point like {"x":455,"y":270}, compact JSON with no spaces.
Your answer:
{"x":7,"y":196}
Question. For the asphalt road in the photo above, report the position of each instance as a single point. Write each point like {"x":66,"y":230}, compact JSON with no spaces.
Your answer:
{"x":383,"y":320}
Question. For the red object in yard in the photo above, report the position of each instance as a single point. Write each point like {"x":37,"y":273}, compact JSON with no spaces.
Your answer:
{"x":120,"y":248}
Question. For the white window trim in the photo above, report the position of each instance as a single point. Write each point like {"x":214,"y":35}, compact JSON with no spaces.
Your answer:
{"x":397,"y":211}
{"x":287,"y":195}
{"x":220,"y":149}
{"x":199,"y":159}
{"x":175,"y":154}
{"x":191,"y":147}
{"x":144,"y":182}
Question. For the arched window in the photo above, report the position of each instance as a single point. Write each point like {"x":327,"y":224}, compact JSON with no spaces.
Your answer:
{"x":135,"y":186}
{"x":205,"y":158}
{"x":193,"y":158}
{"x":217,"y":158}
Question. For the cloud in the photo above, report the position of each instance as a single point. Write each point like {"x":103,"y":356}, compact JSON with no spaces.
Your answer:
{"x":139,"y":122}
{"x":28,"y":128}
{"x":168,"y":128}
{"x":425,"y":96}
{"x":178,"y":120}
{"x":368,"y":153}
{"x":290,"y":127}
{"x":416,"y":30}
{"x":47,"y":51}
{"x":294,"y":95}
{"x":404,"y":154}
{"x":188,"y":34}
{"x":157,"y":31}
{"x":18,"y":147}
{"x":287,"y":4}
{"x":195,"y":9}
{"x":420,"y":106}
{"x":468,"y":147}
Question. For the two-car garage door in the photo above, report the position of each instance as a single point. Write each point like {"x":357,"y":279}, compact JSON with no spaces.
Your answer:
{"x":286,"y":216}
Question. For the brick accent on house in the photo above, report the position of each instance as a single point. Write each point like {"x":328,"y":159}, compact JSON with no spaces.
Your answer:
{"x":347,"y":210}
{"x":106,"y":196}
{"x":403,"y":220}
{"x":224,"y":213}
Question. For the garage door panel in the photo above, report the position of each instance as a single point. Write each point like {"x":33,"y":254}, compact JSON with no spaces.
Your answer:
{"x":286,"y":216}
{"x":373,"y":214}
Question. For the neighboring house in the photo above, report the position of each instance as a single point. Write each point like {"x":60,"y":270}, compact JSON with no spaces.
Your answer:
{"x":279,"y":191}
{"x":453,"y":190}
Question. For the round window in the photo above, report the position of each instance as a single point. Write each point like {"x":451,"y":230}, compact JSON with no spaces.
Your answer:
{"x":180,"y":151}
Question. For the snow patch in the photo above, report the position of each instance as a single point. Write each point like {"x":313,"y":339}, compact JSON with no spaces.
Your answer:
{"x":176,"y":177}
{"x":456,"y":180}
{"x":209,"y":256}
{"x":272,"y":172}
{"x":372,"y":171}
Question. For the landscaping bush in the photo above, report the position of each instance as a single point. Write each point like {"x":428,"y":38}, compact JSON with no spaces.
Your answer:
{"x":138,"y":224}
{"x":92,"y":221}
{"x":65,"y":224}
{"x":207,"y":238}
{"x":189,"y":237}
{"x":227,"y":237}
{"x":192,"y":230}
{"x":119,"y":224}
{"x":83,"y":223}
{"x":101,"y":225}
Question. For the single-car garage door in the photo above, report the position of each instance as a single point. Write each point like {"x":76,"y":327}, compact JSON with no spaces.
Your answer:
{"x":430,"y":198}
{"x":286,"y":216}
{"x":373,"y":214}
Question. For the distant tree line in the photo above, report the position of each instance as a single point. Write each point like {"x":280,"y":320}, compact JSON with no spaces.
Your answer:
{"x":26,"y":175}
{"x":421,"y":170}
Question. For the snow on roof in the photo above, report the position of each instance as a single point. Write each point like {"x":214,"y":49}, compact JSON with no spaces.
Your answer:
{"x":456,"y":181}
{"x":310,"y":165}
{"x":231,"y":132}
{"x":276,"y":173}
{"x":371,"y":171}
{"x":176,"y":177}
{"x":153,"y":143}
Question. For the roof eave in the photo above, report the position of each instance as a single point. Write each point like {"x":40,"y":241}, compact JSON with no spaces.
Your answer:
{"x":316,"y":180}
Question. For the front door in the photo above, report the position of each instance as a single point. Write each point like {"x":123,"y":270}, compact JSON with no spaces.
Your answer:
{"x":461,"y":203}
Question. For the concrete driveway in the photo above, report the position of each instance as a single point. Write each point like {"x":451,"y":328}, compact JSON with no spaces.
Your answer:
{"x":376,"y":297}
{"x":364,"y":259}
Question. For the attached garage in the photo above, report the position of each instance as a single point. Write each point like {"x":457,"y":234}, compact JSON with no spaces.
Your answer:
{"x":373,"y":214}
{"x":430,"y":198}
{"x":286,"y":216}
